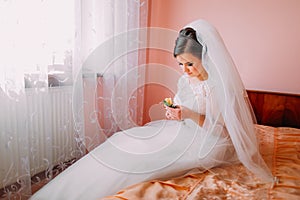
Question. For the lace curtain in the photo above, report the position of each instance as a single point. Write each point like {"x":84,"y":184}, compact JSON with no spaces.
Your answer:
{"x":110,"y":57}
{"x":54,"y":108}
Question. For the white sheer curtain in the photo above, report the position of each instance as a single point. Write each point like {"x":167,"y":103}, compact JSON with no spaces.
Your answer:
{"x":36,"y":126}
{"x":109,"y":51}
{"x":49,"y":114}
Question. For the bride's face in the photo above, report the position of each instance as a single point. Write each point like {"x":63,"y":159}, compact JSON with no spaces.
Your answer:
{"x":191,"y":65}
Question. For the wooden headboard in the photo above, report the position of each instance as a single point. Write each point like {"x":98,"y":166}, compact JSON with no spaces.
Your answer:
{"x":276,"y":109}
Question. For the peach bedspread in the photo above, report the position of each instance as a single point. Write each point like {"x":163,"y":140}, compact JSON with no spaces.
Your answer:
{"x":280,"y":148}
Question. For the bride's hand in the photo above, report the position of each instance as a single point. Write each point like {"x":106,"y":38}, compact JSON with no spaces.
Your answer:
{"x":173,"y":113}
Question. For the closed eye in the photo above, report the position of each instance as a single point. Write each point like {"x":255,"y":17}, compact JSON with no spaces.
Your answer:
{"x":188,"y":64}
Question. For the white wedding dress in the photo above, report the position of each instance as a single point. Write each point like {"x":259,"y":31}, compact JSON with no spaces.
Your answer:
{"x":166,"y":148}
{"x":160,"y":149}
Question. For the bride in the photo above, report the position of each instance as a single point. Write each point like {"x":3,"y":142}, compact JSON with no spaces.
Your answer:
{"x":211,"y":124}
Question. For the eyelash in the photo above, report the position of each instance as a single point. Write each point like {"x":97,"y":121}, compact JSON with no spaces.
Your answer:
{"x":190,"y":64}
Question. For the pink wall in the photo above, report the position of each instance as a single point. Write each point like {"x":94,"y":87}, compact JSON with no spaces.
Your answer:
{"x":263,"y":37}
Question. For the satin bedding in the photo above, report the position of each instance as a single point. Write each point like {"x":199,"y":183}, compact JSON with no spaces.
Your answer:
{"x":280,"y":148}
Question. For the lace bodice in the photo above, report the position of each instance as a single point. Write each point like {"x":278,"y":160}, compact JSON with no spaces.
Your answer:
{"x":193,"y":94}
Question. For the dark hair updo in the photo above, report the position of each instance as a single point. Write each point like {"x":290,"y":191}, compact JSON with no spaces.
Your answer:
{"x":187,"y":42}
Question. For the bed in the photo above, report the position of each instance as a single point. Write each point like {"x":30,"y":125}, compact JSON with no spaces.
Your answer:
{"x":280,"y":148}
{"x":278,"y":133}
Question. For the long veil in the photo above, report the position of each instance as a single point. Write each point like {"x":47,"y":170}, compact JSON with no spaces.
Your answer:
{"x":232,"y":99}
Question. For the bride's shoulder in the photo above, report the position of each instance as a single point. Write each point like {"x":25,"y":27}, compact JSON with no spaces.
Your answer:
{"x":183,"y":80}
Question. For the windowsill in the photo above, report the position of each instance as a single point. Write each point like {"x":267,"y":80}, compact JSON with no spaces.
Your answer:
{"x":60,"y":79}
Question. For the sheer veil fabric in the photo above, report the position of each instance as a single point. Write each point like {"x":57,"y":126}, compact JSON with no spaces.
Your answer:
{"x":168,"y":148}
{"x":231,"y":99}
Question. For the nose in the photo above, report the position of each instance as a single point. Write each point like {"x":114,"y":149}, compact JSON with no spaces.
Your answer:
{"x":185,"y":68}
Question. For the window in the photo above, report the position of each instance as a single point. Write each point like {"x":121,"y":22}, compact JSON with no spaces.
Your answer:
{"x":37,"y":40}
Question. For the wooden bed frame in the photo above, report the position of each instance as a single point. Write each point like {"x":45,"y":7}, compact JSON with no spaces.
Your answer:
{"x":276,"y":109}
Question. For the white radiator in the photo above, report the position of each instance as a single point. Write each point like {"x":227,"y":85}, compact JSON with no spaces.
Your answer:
{"x":48,"y":131}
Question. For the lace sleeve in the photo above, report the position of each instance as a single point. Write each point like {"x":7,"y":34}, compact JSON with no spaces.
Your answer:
{"x":184,"y":95}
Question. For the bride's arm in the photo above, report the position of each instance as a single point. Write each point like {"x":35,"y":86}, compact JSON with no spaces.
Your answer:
{"x":182,"y":112}
{"x":195,"y":116}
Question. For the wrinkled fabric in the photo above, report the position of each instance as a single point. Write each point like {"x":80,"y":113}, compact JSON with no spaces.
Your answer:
{"x":280,"y":148}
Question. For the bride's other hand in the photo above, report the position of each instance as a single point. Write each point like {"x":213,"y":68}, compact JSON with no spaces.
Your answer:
{"x":173,"y":113}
